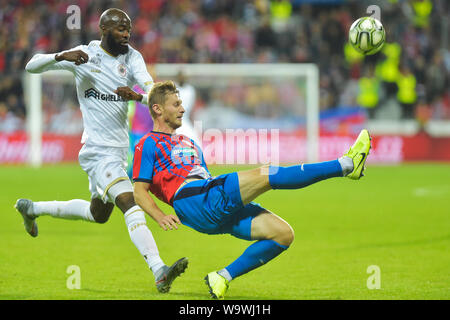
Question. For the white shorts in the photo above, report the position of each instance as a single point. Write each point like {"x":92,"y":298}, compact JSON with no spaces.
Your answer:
{"x":105,"y":167}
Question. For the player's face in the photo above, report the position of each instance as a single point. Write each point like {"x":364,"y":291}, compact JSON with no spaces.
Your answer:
{"x":173,"y":111}
{"x":119,"y":35}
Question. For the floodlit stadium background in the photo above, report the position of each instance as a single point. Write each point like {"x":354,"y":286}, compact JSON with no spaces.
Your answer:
{"x":401,"y":221}
{"x":400,"y":95}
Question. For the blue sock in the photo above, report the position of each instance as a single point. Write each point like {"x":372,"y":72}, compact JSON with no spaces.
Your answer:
{"x":299,"y":176}
{"x":255,"y":256}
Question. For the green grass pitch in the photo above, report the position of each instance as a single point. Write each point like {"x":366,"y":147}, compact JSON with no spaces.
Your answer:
{"x":396,"y":218}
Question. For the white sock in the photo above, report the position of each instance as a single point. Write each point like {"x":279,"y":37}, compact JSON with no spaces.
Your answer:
{"x":346,"y":164}
{"x":76,"y":209}
{"x":224,"y":273}
{"x":143,"y":238}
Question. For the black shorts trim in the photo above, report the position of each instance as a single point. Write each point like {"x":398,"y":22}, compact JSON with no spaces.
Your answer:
{"x":142,"y":180}
{"x":186,"y":191}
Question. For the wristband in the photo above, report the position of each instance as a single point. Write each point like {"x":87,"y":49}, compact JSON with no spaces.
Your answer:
{"x":144,"y":99}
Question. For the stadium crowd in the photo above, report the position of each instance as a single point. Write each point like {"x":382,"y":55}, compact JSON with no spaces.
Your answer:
{"x":409,"y":79}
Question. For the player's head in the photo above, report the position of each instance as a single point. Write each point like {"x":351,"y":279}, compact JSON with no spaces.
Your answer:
{"x":115,"y":26}
{"x":165,"y":104}
{"x":181,"y":78}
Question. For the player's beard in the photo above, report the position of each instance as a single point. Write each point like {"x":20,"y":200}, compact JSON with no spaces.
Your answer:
{"x":116,"y":47}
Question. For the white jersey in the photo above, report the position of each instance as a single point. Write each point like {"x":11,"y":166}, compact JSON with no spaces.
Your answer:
{"x":187,"y":96}
{"x":104,"y":112}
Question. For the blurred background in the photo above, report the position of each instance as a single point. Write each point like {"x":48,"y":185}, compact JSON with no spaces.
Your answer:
{"x":401,"y":94}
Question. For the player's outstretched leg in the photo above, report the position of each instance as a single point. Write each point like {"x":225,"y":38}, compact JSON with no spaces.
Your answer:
{"x":25,"y":208}
{"x":274,"y":236}
{"x":75,"y":209}
{"x":256,"y":255}
{"x":255,"y":182}
{"x":350,"y":165}
{"x":143,"y":239}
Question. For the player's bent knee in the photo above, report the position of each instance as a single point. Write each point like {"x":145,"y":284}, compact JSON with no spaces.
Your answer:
{"x":125,"y":201}
{"x":122,"y":194}
{"x":101,"y":211}
{"x":284,"y":234}
{"x":269,"y":226}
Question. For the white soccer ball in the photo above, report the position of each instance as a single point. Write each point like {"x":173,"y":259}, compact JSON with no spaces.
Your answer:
{"x":367,"y":35}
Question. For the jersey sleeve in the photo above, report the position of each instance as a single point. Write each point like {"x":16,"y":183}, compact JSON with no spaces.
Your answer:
{"x":140,"y":73}
{"x":44,"y":62}
{"x":143,"y":161}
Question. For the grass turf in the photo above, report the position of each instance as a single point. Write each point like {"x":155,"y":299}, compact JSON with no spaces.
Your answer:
{"x":397,"y":217}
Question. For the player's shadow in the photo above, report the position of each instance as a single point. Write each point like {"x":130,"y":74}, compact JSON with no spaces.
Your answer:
{"x":206,"y":296}
{"x":144,"y":294}
{"x":187,"y":295}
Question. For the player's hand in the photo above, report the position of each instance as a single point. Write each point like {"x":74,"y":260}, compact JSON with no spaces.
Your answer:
{"x":169,"y":222}
{"x":77,"y":56}
{"x":127,"y":94}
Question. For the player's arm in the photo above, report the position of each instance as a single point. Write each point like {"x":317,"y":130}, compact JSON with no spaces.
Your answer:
{"x":141,"y":77}
{"x":146,"y":202}
{"x":76,"y":56}
{"x":53,"y":61}
{"x":129,"y":94}
{"x":143,"y":164}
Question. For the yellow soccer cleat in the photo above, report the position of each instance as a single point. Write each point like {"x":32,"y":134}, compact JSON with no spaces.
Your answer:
{"x":217,"y":285}
{"x":359,"y":152}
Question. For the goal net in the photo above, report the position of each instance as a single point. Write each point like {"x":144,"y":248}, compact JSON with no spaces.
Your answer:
{"x":253,"y":113}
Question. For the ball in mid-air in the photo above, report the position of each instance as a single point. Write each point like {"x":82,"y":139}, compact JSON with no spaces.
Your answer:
{"x":367,"y":35}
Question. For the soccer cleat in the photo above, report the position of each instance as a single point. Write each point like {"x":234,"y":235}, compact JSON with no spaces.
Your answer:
{"x":217,"y":285}
{"x":358,"y":152}
{"x":25,"y":207}
{"x":164,"y":281}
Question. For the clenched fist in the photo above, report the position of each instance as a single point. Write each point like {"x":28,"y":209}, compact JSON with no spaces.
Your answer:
{"x":77,"y":56}
{"x":127,"y":94}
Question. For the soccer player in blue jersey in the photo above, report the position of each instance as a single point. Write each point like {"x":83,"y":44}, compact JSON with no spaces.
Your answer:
{"x":172,"y":167}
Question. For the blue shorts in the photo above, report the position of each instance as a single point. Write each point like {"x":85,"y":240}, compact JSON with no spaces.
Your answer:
{"x":214,"y":206}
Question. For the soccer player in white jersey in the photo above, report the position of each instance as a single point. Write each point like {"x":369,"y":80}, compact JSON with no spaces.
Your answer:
{"x":104,"y":70}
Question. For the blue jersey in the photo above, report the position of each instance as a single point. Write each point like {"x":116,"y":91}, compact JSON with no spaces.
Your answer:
{"x":165,"y":161}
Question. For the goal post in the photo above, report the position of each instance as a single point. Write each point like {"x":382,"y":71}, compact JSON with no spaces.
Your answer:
{"x":33,"y":97}
{"x":56,"y":85}
{"x":32,"y":85}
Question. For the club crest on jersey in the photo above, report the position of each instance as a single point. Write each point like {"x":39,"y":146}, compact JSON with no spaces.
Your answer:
{"x":122,"y":70}
{"x":184,"y":155}
{"x":184,"y":151}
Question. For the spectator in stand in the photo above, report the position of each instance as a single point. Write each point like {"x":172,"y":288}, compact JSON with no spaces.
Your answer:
{"x":406,"y":93}
{"x":369,"y":91}
{"x":242,"y":31}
